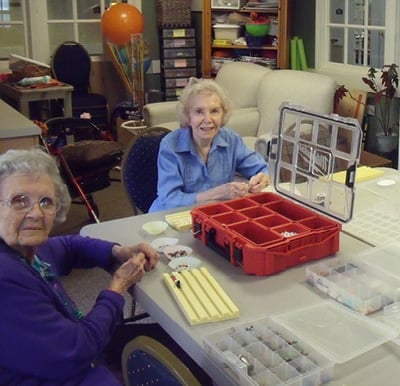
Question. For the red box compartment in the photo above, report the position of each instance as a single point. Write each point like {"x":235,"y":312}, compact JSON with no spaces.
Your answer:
{"x":265,"y":233}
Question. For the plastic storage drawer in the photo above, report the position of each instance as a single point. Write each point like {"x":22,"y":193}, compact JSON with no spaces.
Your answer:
{"x":179,"y":63}
{"x":180,"y":73}
{"x":178,"y":43}
{"x":173,"y":93}
{"x":176,"y":82}
{"x":175,"y":53}
{"x":178,"y":33}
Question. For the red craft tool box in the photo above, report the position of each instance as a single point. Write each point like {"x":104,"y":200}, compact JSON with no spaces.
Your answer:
{"x":300,"y":220}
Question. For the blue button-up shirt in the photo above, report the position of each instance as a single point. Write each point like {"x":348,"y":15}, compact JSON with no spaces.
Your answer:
{"x":182,"y":173}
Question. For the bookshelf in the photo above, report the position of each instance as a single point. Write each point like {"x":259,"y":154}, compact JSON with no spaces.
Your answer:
{"x":275,"y":49}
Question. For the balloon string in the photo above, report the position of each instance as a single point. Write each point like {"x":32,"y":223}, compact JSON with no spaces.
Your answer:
{"x":138,"y":48}
{"x":128,"y":60}
{"x":111,"y":50}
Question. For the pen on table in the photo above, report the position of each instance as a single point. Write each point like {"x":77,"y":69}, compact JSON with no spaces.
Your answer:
{"x":175,"y":280}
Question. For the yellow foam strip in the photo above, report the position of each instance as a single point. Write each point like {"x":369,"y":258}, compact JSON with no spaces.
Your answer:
{"x":180,"y":221}
{"x":212,"y":296}
{"x":192,"y":296}
{"x":180,"y":298}
{"x":201,"y":294}
{"x":363,"y":173}
{"x":220,"y":291}
{"x":200,"y":297}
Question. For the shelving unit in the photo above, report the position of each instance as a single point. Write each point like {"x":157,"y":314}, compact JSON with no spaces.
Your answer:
{"x":274,"y":46}
{"x":178,"y":59}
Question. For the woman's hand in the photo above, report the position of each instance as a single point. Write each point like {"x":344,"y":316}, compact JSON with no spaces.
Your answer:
{"x":128,"y":273}
{"x":226,"y":191}
{"x":122,"y":254}
{"x":258,"y":182}
{"x":233,"y":190}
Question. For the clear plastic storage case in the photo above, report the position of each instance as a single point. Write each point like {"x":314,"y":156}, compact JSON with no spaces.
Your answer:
{"x":298,"y":348}
{"x":367,"y":282}
{"x":354,"y":283}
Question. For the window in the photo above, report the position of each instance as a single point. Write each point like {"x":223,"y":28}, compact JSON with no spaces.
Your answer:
{"x":12,"y":27}
{"x":78,"y":21}
{"x":34,"y":28}
{"x":354,"y":34}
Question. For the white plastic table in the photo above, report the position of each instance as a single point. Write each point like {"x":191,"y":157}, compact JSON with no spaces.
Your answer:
{"x":255,"y":296}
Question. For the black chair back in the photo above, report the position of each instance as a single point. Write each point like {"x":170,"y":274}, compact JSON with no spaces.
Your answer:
{"x":139,"y":171}
{"x":71,"y":64}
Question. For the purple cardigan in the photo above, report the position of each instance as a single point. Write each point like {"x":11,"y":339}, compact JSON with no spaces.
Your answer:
{"x":40,"y":344}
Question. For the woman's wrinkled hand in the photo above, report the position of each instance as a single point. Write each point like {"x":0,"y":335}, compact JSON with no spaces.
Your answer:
{"x":258,"y":182}
{"x":233,"y":190}
{"x":122,"y":254}
{"x":129,"y":273}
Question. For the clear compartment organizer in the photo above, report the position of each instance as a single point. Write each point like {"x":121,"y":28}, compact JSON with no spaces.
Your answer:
{"x":265,"y":353}
{"x":297,"y":348}
{"x":352,"y":284}
{"x":366,"y":283}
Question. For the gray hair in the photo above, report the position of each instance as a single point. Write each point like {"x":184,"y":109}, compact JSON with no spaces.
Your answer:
{"x":37,"y":162}
{"x":195,"y":87}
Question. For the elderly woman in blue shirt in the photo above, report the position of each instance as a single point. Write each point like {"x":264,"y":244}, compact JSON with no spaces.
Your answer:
{"x":198,"y":162}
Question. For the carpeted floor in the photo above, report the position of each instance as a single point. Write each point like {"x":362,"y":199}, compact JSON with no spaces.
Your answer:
{"x":112,"y":202}
{"x":84,"y":285}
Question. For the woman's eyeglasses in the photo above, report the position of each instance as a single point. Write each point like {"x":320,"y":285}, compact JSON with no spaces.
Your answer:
{"x":23,"y":204}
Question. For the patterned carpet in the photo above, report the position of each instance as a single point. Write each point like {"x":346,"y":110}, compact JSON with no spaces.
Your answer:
{"x":84,"y":285}
{"x":115,"y":194}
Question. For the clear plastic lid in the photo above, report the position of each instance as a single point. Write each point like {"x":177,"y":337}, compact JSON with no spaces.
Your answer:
{"x":314,"y":159}
{"x":384,"y":259}
{"x":335,"y":331}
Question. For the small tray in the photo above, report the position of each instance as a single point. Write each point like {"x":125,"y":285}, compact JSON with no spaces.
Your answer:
{"x":180,"y":221}
{"x":175,"y":251}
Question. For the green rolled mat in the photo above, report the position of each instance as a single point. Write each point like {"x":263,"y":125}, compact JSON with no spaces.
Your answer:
{"x":294,"y":59}
{"x":301,"y":55}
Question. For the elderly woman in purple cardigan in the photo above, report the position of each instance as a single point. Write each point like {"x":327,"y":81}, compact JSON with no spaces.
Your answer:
{"x":44,"y":338}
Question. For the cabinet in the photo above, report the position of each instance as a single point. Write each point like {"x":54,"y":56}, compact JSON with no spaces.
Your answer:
{"x":273,"y":51}
{"x":178,"y":59}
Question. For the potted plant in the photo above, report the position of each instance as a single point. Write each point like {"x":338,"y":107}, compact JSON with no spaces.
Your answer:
{"x":384,"y":87}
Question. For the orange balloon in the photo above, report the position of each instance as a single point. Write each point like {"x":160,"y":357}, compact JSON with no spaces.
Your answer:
{"x":120,"y":21}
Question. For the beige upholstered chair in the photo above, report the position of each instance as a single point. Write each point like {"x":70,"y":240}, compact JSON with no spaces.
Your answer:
{"x":257,"y":93}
